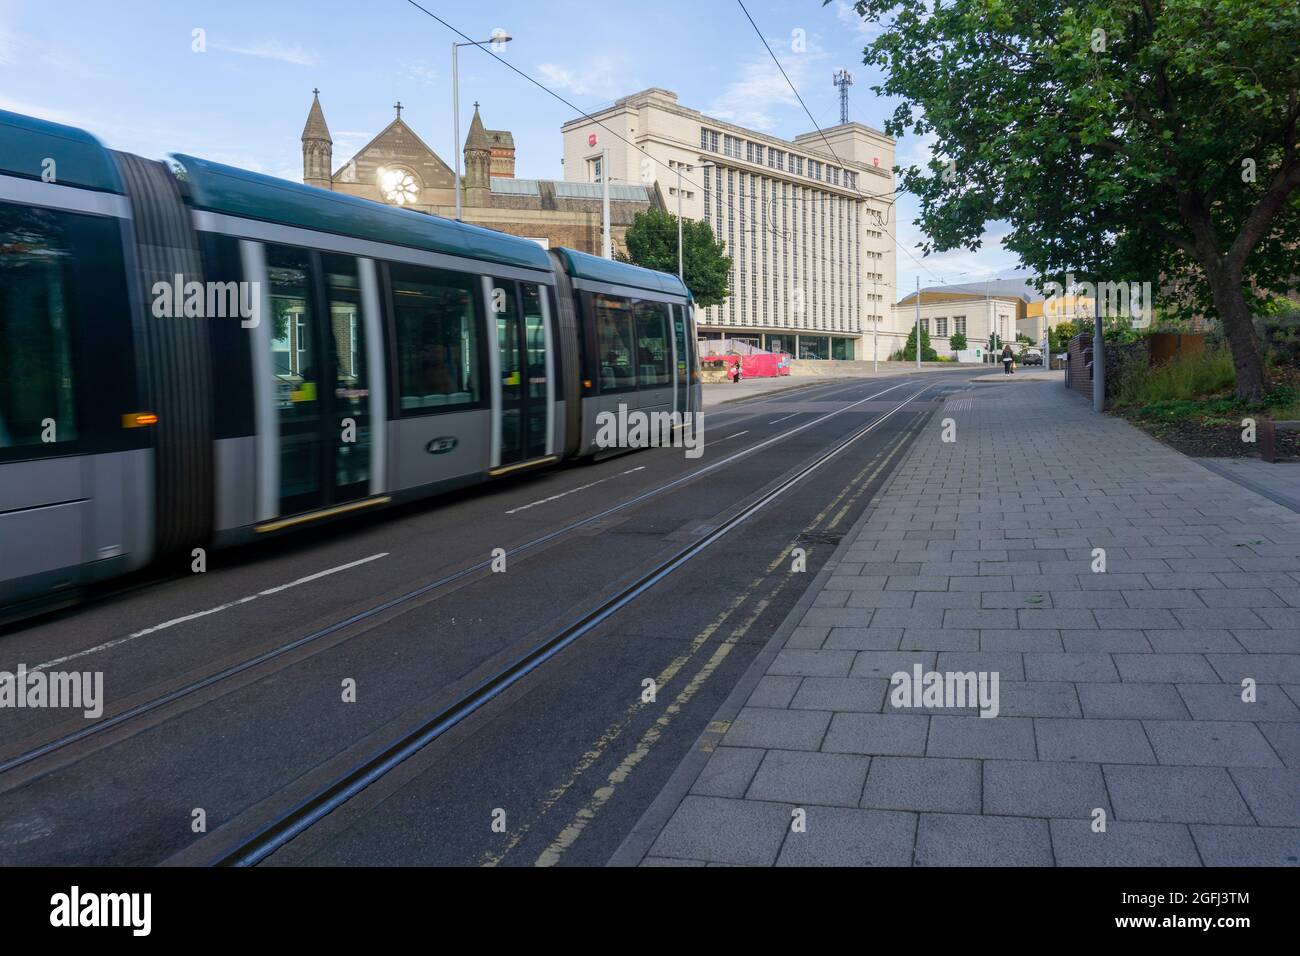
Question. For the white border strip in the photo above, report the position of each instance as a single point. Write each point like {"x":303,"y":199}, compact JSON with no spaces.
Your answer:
{"x":29,"y":192}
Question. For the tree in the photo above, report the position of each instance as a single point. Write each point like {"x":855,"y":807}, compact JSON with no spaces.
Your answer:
{"x":1128,"y":139}
{"x":928,"y":354}
{"x":957,"y":341}
{"x":652,"y":243}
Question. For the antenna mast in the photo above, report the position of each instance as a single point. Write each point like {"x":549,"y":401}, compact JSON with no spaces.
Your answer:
{"x":843,"y":80}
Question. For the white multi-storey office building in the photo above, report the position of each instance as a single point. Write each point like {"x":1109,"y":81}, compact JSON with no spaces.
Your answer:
{"x":806,"y":221}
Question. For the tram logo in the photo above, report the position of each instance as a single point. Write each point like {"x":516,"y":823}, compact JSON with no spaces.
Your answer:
{"x":38,"y":688}
{"x":638,"y":429}
{"x":440,"y":446}
{"x":208,"y":300}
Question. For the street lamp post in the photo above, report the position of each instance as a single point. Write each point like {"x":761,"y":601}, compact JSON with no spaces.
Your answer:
{"x":681,"y":271}
{"x":455,"y":103}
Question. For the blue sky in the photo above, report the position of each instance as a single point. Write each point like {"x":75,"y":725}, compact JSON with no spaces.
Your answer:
{"x":127,"y":72}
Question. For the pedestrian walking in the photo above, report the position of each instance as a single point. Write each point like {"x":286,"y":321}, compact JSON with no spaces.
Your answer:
{"x":1008,"y":359}
{"x":735,"y":371}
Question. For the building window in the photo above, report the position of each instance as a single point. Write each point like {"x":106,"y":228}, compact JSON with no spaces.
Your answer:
{"x":709,"y":140}
{"x":959,"y":324}
{"x":731,"y":146}
{"x":814,"y":347}
{"x":842,"y":349}
{"x":597,"y":169}
{"x":796,"y":165}
{"x":941,"y":325}
{"x":833,"y":175}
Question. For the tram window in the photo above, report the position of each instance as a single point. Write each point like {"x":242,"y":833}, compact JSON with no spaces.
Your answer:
{"x":615,"y":341}
{"x":437,"y":343}
{"x":36,"y":378}
{"x":653,"y":351}
{"x":535,"y":338}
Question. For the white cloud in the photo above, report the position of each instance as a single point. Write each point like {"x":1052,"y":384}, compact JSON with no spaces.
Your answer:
{"x":761,"y":89}
{"x":293,"y":54}
{"x":8,"y":47}
{"x":419,"y":73}
{"x":845,"y":13}
{"x":604,"y":78}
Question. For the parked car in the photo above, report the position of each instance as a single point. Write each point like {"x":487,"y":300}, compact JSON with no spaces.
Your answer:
{"x":1030,"y":357}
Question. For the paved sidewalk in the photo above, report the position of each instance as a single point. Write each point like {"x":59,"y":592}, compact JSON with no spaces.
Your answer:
{"x":1119,"y":692}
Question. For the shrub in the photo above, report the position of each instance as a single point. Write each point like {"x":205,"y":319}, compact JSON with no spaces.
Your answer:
{"x":958,"y":342}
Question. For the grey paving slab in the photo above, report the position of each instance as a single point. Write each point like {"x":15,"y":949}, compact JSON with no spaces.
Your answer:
{"x":1032,"y":788}
{"x":1136,"y":701}
{"x":802,"y":777}
{"x":1070,"y":667}
{"x":923,"y":783}
{"x":774,"y":691}
{"x":987,"y":737}
{"x":728,"y":772}
{"x":781,"y":729}
{"x":1248,"y":846}
{"x":1224,"y":702}
{"x":1039,"y":699}
{"x":854,"y":694}
{"x":1150,"y":668}
{"x":1210,"y":743}
{"x":864,"y":638}
{"x":1094,"y":741}
{"x":714,"y":829}
{"x":1175,"y":794}
{"x":1123,"y":844}
{"x":839,"y":837}
{"x":968,"y":840}
{"x":1272,"y":795}
{"x":890,"y":734}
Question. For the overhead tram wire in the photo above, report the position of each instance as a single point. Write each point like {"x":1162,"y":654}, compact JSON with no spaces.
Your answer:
{"x":795,"y":91}
{"x":587,"y":116}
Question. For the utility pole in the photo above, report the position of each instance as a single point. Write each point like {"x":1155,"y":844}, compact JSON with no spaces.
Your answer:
{"x":607,"y":246}
{"x":918,"y":323}
{"x":681,"y":271}
{"x":1098,"y":353}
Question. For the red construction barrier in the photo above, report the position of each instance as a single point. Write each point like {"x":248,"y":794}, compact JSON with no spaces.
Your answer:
{"x":764,"y":365}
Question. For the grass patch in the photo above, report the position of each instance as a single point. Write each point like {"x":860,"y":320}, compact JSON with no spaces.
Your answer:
{"x":1191,"y":378}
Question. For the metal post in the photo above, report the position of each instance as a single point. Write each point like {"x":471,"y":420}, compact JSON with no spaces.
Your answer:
{"x":681,"y":272}
{"x":455,"y":121}
{"x":875,"y":320}
{"x":918,"y":323}
{"x":607,"y":247}
{"x":1098,"y":354}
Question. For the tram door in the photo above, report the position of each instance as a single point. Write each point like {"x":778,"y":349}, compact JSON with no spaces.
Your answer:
{"x":522,"y":405}
{"x":321,"y":379}
{"x":682,"y":378}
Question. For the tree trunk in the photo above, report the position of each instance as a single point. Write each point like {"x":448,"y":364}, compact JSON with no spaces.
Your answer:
{"x":1240,"y":333}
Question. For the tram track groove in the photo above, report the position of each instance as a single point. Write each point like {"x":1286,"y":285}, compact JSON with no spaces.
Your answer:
{"x":302,"y":816}
{"x":147,"y":707}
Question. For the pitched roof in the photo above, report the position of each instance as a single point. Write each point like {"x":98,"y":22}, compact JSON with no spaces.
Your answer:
{"x":316,"y":128}
{"x":1019,"y":288}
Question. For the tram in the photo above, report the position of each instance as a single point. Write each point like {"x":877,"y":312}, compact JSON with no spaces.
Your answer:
{"x":194,"y":355}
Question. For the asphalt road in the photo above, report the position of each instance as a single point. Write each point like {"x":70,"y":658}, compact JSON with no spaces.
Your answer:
{"x":554,"y":771}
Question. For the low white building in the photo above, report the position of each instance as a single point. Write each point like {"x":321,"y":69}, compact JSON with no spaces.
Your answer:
{"x":977,"y":310}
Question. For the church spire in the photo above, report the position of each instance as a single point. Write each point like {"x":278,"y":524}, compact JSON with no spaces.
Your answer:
{"x":317,"y":146}
{"x":478,"y":163}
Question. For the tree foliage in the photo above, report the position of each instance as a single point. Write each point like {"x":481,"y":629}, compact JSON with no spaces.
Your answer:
{"x":958,"y":341}
{"x":652,"y":243}
{"x":1126,"y":140}
{"x":928,"y":354}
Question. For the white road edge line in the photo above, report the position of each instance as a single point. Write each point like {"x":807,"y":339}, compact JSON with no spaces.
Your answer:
{"x":779,"y":420}
{"x":534,"y":504}
{"x":224,"y":607}
{"x":729,"y":437}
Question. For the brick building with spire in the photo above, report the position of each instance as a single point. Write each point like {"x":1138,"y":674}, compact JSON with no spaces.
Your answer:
{"x":398,"y":168}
